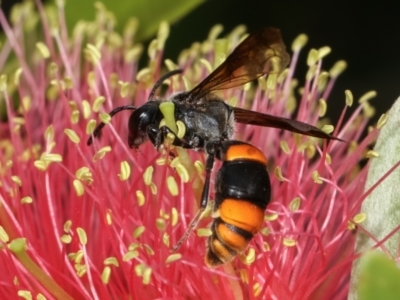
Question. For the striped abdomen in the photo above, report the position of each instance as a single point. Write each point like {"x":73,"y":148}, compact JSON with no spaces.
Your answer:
{"x":242,"y":192}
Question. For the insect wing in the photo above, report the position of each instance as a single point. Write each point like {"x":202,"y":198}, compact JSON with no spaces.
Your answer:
{"x":245,"y":116}
{"x":262,"y":52}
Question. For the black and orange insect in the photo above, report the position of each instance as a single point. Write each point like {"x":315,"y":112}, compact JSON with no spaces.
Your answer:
{"x":242,"y":184}
{"x":242,"y":193}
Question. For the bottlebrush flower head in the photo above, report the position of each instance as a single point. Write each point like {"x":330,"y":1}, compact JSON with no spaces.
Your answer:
{"x":79,"y":222}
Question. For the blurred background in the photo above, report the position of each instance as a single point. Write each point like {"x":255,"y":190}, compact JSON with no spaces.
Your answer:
{"x":364,"y":33}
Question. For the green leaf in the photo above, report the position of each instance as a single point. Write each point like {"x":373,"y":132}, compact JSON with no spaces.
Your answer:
{"x":379,"y":278}
{"x":382,"y":206}
{"x":149,"y":12}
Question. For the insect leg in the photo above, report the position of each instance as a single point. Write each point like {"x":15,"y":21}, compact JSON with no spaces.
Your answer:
{"x":203,"y":203}
{"x":164,"y":131}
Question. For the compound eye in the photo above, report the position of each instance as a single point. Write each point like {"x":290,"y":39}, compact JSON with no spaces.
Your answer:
{"x":138,"y":122}
{"x":142,"y":123}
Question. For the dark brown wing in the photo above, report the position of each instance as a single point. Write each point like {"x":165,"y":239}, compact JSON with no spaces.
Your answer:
{"x":262,"y":52}
{"x":245,"y":116}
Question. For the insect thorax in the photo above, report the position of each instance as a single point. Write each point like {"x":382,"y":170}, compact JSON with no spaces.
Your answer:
{"x":212,"y":121}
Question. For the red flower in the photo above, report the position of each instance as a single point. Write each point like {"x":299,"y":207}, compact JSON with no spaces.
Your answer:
{"x":99,"y":222}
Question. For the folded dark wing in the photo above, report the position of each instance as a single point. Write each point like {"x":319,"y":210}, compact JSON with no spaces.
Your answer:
{"x":245,"y":116}
{"x":262,"y":52}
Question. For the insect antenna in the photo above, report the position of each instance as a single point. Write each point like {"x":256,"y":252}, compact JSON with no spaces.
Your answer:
{"x":97,"y":131}
{"x":161,"y":80}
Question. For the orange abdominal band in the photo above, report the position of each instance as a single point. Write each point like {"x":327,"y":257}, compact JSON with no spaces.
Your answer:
{"x":231,"y":238}
{"x":244,"y":151}
{"x":242,"y":214}
{"x":221,"y":251}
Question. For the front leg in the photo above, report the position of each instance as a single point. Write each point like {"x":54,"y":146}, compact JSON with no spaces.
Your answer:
{"x":158,"y":135}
